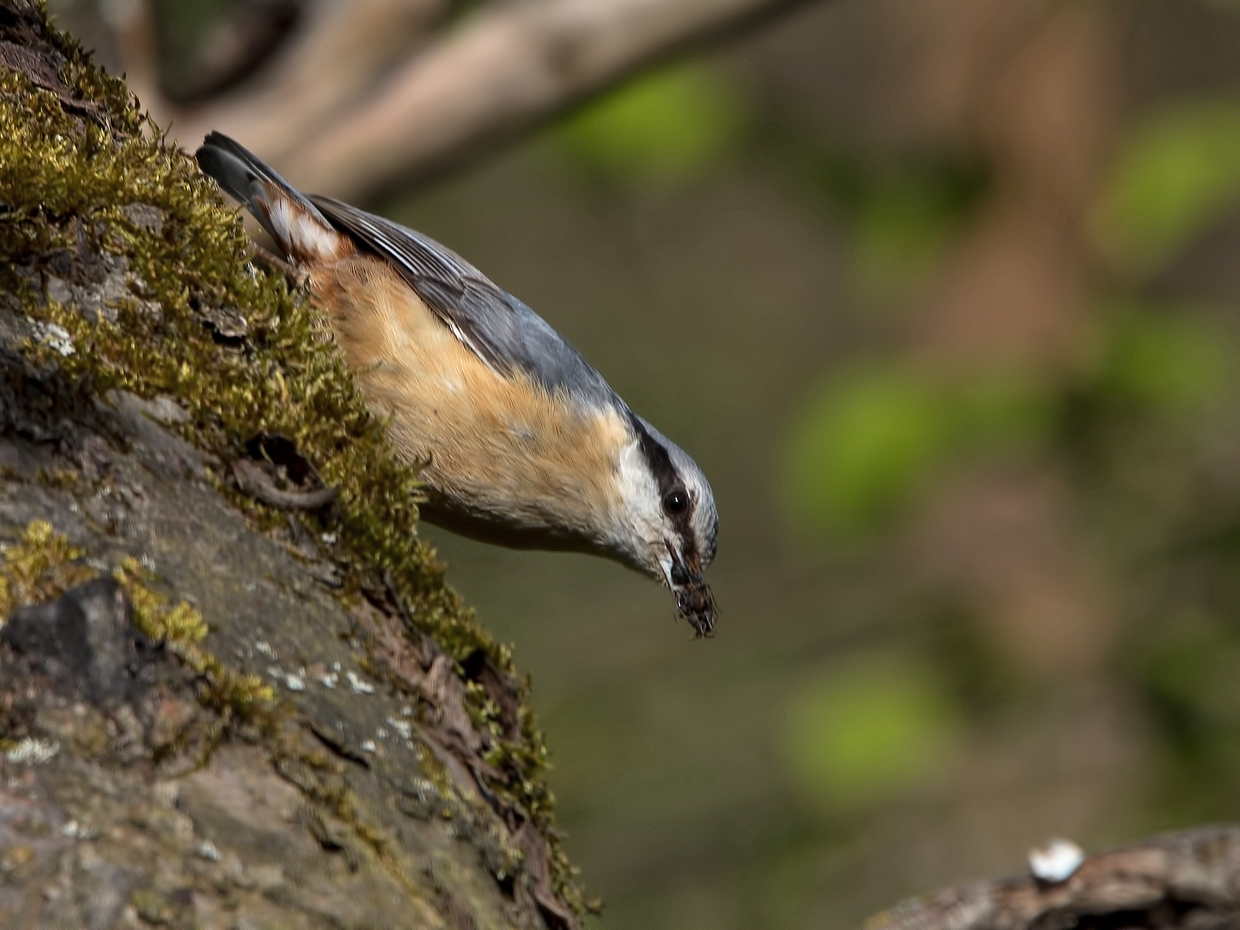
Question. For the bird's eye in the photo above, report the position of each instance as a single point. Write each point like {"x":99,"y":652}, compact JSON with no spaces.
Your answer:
{"x":676,"y":502}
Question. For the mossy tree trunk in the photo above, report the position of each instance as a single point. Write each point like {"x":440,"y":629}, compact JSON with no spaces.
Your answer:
{"x":234,"y":687}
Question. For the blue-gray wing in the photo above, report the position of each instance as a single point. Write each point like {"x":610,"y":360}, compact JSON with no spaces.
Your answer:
{"x":494,"y":325}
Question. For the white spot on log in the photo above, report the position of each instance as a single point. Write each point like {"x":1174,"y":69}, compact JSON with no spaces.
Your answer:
{"x":1055,"y":861}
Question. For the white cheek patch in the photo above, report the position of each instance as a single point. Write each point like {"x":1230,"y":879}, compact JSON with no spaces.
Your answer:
{"x":642,"y":513}
{"x":302,"y":235}
{"x":637,"y":485}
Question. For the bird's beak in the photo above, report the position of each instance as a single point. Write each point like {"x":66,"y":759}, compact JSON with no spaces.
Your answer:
{"x":694,"y":602}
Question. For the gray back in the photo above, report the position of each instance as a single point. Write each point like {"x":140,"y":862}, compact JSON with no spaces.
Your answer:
{"x":497,"y":327}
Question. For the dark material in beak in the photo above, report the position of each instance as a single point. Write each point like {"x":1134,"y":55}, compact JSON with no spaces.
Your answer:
{"x":694,"y":602}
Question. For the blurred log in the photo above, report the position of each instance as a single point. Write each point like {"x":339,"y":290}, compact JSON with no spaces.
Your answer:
{"x":1187,"y":880}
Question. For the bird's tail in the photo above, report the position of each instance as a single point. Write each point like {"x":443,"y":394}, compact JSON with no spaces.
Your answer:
{"x":297,"y":226}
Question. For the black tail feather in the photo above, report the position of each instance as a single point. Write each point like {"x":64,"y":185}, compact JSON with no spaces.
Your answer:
{"x":244,"y":177}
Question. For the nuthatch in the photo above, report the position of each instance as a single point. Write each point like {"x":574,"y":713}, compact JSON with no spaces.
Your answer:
{"x":523,"y":442}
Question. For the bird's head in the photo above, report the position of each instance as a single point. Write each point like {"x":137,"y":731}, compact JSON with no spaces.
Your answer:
{"x":667,"y":525}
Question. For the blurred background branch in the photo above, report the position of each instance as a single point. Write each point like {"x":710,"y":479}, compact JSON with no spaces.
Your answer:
{"x":354,"y":97}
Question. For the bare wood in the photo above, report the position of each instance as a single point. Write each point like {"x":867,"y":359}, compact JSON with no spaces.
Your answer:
{"x":1179,"y":879}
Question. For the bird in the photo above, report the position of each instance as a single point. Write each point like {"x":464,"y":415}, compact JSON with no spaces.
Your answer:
{"x":519,"y":440}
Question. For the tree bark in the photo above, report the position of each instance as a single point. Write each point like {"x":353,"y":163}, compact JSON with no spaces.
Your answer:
{"x":219,"y":707}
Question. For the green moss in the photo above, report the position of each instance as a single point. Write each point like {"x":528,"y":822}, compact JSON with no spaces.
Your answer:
{"x":42,"y":565}
{"x":38,"y":567}
{"x":182,"y":629}
{"x":68,"y":173}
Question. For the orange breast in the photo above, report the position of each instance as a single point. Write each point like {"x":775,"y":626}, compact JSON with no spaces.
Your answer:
{"x":495,"y":445}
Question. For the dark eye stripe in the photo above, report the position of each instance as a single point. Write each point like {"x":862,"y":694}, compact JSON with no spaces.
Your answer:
{"x":669,"y":482}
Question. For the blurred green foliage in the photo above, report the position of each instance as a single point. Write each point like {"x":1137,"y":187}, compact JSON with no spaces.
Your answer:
{"x":1167,"y":357}
{"x":898,"y":214}
{"x":1177,"y":173}
{"x":900,"y":231}
{"x":661,"y":128}
{"x":871,"y":440}
{"x":860,"y":448}
{"x":1189,"y":678}
{"x":868,"y":728}
{"x":868,"y":441}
